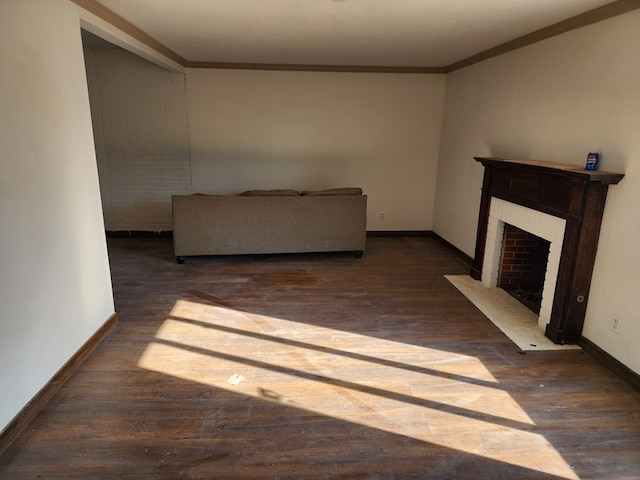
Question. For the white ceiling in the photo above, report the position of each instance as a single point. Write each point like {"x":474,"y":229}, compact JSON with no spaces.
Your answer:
{"x":389,"y":33}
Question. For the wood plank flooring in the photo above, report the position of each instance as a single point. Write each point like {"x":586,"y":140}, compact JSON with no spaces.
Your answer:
{"x":321,"y":366}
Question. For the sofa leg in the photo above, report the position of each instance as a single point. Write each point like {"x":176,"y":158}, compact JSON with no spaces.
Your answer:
{"x":180,"y":260}
{"x":358,"y":253}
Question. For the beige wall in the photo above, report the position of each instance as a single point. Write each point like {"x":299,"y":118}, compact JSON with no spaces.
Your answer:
{"x":557,"y":100}
{"x":307,"y":130}
{"x":55,"y":288}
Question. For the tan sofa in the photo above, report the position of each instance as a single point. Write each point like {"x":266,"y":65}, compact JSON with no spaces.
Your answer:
{"x":260,"y":222}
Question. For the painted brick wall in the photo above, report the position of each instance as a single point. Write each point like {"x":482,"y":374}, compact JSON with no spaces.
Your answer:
{"x":141,"y":131}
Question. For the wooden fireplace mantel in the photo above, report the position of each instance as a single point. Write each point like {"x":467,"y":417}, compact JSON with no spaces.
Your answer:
{"x":566,"y":191}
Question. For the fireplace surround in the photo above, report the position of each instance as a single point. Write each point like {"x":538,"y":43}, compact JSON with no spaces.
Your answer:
{"x":561,"y":203}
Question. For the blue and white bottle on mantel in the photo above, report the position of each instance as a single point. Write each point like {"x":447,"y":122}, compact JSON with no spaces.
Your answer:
{"x":592,"y":161}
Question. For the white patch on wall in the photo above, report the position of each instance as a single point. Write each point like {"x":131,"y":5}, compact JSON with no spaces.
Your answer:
{"x":538,"y":223}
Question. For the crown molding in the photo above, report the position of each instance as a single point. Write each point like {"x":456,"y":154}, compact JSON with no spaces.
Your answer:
{"x":588,"y":18}
{"x":314,"y":68}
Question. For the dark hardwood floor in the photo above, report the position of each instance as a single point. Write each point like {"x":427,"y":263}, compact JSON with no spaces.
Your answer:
{"x":321,"y":366}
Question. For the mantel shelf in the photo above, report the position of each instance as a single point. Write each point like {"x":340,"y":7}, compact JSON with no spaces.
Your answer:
{"x":600,"y":176}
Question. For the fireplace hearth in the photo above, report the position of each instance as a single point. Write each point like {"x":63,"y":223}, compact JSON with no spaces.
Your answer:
{"x":548,"y":200}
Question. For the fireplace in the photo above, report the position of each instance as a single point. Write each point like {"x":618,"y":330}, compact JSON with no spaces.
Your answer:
{"x":562,"y":204}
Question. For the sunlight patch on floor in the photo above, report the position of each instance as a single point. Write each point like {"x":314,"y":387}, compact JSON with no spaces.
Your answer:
{"x":435,"y":396}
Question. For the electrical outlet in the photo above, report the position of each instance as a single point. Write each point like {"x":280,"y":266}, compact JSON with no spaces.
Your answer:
{"x":616,"y":323}
{"x":381,"y":216}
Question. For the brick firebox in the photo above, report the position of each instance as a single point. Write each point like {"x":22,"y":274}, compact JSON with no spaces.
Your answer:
{"x":523,"y":266}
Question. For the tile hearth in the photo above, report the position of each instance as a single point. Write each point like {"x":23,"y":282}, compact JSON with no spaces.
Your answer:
{"x":514,"y":319}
